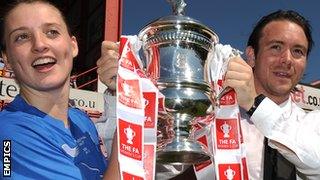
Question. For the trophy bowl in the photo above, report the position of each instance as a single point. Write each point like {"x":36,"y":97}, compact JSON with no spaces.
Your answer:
{"x":175,"y":49}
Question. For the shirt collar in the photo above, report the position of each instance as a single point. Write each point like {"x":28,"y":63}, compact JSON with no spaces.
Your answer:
{"x":19,"y":104}
{"x":287,"y":105}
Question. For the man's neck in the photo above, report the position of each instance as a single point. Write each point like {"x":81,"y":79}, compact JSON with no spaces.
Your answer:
{"x":277,"y":98}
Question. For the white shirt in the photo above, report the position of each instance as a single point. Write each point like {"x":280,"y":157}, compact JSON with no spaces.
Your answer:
{"x":107,"y":123}
{"x":290,"y":126}
{"x":254,"y":144}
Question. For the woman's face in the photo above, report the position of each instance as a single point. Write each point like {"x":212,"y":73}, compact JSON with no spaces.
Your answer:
{"x":39,"y":48}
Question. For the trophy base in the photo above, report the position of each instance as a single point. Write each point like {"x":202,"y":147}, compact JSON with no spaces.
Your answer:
{"x":183,"y":152}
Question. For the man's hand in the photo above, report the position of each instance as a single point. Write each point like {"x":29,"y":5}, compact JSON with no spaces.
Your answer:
{"x":108,"y":64}
{"x":239,"y":76}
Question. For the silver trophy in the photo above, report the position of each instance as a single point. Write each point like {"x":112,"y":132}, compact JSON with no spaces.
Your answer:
{"x":176,"y":49}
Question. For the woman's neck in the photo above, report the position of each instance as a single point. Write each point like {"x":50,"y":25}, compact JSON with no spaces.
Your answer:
{"x":54,"y":103}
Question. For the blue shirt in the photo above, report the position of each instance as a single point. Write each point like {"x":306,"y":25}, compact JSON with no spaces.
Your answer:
{"x":42,"y":148}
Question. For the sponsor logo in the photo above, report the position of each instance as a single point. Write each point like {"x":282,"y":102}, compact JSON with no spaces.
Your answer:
{"x":73,"y":152}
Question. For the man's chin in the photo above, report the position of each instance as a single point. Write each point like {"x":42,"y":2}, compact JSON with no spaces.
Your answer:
{"x":282,"y":90}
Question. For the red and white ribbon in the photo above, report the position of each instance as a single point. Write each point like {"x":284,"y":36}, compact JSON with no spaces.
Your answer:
{"x":137,"y":102}
{"x":226,"y":143}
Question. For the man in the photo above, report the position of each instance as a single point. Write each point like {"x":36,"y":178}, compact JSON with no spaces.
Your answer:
{"x":277,"y":51}
{"x":296,"y":138}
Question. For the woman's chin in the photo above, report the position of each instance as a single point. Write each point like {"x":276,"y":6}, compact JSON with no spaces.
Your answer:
{"x":52,"y":84}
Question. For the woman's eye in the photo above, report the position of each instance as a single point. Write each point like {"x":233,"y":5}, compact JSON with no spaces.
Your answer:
{"x":21,"y":37}
{"x":53,"y":33}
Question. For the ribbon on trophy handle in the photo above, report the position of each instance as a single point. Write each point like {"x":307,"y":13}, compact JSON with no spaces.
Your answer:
{"x":137,"y":110}
{"x":226,"y":143}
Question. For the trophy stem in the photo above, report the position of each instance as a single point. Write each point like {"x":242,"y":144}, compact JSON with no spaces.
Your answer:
{"x":183,"y":150}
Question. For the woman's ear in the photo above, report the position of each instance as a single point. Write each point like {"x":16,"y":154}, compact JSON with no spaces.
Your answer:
{"x":5,"y":60}
{"x":74,"y":45}
{"x":250,"y":56}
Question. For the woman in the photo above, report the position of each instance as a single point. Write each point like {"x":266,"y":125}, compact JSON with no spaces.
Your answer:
{"x":48,"y":139}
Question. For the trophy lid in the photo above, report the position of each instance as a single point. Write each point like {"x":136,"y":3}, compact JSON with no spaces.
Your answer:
{"x":178,"y":27}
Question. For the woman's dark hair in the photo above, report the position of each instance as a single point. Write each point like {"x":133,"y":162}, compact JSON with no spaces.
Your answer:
{"x":289,"y":15}
{"x":6,"y":6}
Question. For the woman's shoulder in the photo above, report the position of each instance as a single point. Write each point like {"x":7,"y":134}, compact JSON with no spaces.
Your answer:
{"x":80,"y":117}
{"x":14,"y":124}
{"x":19,"y":123}
{"x":11,"y":117}
{"x":81,"y":120}
{"x":76,"y":113}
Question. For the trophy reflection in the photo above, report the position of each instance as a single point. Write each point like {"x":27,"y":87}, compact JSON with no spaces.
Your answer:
{"x":176,"y":49}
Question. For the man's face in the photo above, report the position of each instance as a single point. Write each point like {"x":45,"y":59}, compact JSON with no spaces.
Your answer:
{"x":281,"y":59}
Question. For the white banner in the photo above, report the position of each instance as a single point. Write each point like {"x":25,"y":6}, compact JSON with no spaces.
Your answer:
{"x":89,"y":101}
{"x":307,"y":97}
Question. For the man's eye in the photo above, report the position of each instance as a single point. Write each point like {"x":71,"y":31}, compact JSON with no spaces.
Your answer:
{"x":277,"y":47}
{"x":298,"y":53}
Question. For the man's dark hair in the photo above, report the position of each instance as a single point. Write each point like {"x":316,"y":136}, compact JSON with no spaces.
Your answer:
{"x":289,"y":15}
{"x":6,"y":6}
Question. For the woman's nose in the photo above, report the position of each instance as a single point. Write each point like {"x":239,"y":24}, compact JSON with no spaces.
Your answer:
{"x":39,"y":43}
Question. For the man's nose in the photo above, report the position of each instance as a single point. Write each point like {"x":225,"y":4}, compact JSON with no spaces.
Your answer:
{"x":286,"y":57}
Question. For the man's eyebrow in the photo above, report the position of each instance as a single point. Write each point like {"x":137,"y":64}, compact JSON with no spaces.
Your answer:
{"x":275,"y":41}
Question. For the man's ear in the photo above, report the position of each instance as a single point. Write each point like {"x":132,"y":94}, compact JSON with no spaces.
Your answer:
{"x":250,"y":56}
{"x":5,"y":60}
